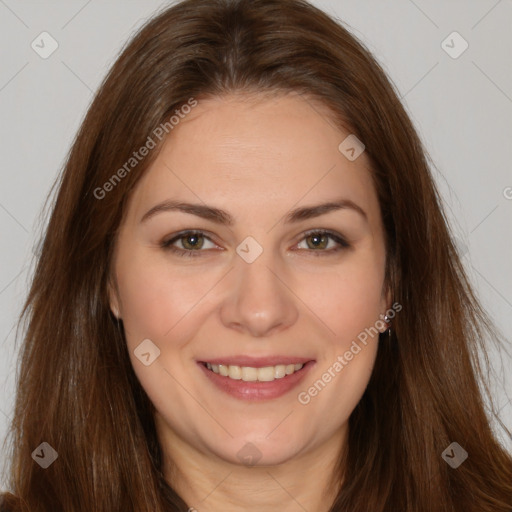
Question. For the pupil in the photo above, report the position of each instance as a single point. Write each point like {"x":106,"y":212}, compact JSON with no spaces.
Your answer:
{"x":194,"y":239}
{"x":317,"y":239}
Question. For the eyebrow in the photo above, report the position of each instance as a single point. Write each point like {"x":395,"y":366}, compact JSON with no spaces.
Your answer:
{"x":222,"y":217}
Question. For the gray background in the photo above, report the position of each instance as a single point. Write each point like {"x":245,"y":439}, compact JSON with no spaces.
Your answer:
{"x":461,"y":106}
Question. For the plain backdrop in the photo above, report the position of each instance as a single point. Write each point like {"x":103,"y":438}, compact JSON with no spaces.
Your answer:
{"x":460,"y":102}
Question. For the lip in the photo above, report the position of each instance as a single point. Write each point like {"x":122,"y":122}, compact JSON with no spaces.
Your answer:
{"x":255,"y":390}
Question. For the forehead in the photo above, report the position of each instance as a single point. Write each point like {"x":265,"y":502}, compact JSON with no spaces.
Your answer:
{"x":251,"y":151}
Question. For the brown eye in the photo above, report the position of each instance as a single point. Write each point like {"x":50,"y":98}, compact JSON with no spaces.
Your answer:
{"x":191,"y":243}
{"x":318,"y":242}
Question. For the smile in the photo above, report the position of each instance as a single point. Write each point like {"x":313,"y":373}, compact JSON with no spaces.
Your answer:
{"x":251,"y":374}
{"x":260,"y":382}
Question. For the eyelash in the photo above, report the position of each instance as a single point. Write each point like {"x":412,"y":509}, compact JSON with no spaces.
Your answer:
{"x":167,"y":244}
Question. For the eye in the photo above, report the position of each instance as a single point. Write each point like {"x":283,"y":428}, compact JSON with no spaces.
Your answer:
{"x":320,"y":242}
{"x":192,"y":242}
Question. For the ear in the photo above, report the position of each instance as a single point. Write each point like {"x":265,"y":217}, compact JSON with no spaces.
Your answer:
{"x":389,"y":299}
{"x":113,"y":297}
{"x":386,"y":301}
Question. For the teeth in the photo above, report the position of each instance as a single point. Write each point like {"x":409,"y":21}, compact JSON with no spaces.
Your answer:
{"x":234,"y":372}
{"x":250,"y":374}
{"x":279,"y":371}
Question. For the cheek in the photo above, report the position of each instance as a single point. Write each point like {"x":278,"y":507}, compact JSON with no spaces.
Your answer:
{"x":155,"y":297}
{"x":348,"y":300}
{"x":348,"y":386}
{"x":158,"y":303}
{"x":349,"y":303}
{"x":338,"y":385}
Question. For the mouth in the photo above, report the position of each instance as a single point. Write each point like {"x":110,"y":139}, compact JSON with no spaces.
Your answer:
{"x":253,"y":374}
{"x":256,"y":379}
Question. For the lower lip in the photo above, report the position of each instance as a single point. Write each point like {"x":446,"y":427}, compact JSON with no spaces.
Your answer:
{"x":255,"y":391}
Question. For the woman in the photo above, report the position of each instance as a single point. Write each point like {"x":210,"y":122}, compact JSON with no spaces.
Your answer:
{"x":248,"y":297}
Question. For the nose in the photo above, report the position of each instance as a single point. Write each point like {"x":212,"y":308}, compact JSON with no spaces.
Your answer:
{"x":258,"y":301}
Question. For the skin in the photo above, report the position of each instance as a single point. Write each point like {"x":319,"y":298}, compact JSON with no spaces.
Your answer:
{"x":257,"y":158}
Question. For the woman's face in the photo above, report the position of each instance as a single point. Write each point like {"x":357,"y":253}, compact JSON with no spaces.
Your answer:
{"x":258,"y":290}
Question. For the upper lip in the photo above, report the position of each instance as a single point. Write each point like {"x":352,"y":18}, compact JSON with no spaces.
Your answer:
{"x":257,"y":362}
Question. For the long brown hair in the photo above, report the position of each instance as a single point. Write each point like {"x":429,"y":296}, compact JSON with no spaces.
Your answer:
{"x":76,"y":389}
